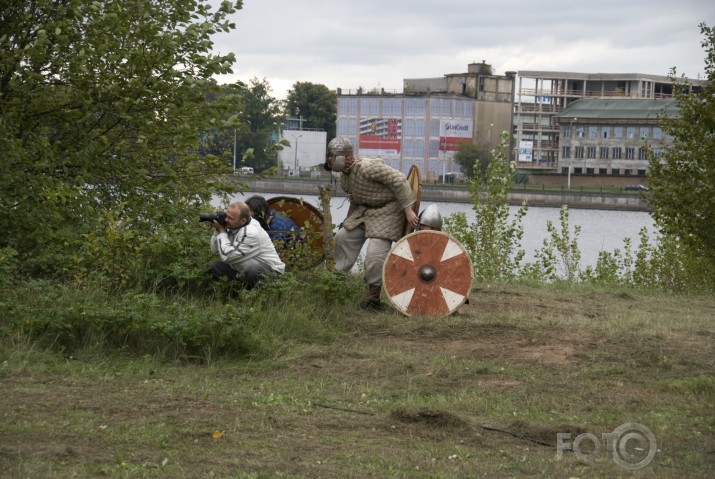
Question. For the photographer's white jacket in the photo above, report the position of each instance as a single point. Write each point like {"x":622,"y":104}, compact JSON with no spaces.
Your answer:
{"x":246,"y":244}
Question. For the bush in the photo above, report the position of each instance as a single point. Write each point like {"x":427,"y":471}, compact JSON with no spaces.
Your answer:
{"x":560,"y":257}
{"x":231,"y":322}
{"x":9,"y":266}
{"x":169,"y":254}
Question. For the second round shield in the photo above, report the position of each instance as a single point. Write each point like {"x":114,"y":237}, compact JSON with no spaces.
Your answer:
{"x":427,"y":273}
{"x":309,"y":252}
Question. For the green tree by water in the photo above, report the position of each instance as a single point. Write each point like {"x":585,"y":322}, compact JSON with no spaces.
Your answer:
{"x":469,"y":155}
{"x":493,"y":240}
{"x":682,"y":179}
{"x":255,"y":116}
{"x":315,"y":103}
{"x":262,"y":113}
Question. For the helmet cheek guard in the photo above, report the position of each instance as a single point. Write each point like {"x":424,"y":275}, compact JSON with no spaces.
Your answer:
{"x":337,"y":164}
{"x":339,"y":149}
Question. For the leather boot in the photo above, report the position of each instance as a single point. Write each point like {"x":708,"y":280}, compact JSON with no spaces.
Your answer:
{"x":373,"y":297}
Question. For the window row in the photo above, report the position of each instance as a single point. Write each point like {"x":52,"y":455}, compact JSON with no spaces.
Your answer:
{"x":393,"y":107}
{"x":604,"y":171}
{"x":618,"y":132}
{"x":616,"y":152}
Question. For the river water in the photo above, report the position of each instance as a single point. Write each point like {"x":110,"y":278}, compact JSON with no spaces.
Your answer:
{"x":601,"y":230}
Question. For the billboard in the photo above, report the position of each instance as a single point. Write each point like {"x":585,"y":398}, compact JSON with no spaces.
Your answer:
{"x":526,"y":150}
{"x":380,"y":137}
{"x":452,"y":132}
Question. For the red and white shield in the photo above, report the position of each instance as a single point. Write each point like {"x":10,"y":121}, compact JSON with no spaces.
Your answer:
{"x":427,"y":273}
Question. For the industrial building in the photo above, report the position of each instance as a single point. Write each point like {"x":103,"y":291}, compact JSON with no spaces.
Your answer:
{"x":592,"y":125}
{"x":423,"y":124}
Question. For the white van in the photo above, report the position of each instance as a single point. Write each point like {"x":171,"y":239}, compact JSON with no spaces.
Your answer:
{"x":246,"y":170}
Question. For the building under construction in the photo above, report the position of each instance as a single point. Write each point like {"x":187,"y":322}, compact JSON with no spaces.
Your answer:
{"x":543,"y":95}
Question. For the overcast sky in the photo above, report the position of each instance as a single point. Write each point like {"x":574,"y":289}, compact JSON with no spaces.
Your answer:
{"x":367,"y":43}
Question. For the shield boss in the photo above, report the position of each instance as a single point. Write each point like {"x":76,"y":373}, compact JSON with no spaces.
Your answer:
{"x":427,"y":273}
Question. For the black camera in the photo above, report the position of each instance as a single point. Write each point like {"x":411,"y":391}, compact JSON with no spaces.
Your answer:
{"x":219,"y":216}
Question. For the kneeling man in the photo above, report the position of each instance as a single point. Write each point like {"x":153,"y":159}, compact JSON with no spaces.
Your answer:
{"x":246,"y":251}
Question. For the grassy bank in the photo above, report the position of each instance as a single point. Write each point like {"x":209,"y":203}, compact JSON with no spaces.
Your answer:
{"x":482,"y":393}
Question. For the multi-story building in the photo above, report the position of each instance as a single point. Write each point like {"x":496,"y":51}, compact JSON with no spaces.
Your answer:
{"x":543,"y":95}
{"x":423,"y":125}
{"x":608,"y":137}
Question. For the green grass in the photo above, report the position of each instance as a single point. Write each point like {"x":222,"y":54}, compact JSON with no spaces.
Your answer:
{"x":345,"y":393}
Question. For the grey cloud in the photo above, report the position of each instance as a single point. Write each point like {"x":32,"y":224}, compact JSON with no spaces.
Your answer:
{"x":348,"y":44}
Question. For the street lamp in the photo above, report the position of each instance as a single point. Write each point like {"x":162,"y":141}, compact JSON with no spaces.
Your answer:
{"x":568,"y":181}
{"x":234,"y":145}
{"x":234,"y":151}
{"x":443,"y":148}
{"x":296,"y":150}
{"x":443,"y":145}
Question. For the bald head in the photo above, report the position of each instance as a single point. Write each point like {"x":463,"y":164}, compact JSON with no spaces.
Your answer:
{"x":237,"y":214}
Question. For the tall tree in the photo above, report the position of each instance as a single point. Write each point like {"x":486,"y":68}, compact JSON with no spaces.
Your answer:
{"x":102,"y":103}
{"x":470,"y":155}
{"x":218,"y":139}
{"x":682,"y":179}
{"x":262,"y":112}
{"x":255,"y":116}
{"x":316,"y":104}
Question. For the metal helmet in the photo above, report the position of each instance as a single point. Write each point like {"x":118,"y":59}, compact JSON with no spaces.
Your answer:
{"x":339,"y":149}
{"x":340,"y":146}
{"x":431,"y":216}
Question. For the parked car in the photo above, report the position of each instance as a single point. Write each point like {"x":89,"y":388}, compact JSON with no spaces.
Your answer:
{"x":636,"y":187}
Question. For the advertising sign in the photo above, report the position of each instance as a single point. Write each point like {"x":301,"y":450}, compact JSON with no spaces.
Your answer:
{"x":526,"y":150}
{"x":380,"y":137}
{"x":451,"y":132}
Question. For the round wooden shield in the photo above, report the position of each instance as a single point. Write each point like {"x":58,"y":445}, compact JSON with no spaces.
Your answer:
{"x":427,"y":273}
{"x":310,"y":220}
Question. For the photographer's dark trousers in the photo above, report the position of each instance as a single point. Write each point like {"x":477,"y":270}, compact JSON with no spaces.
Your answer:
{"x":251,"y":272}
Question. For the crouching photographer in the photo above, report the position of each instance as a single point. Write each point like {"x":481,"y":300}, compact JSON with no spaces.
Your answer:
{"x":246,"y":251}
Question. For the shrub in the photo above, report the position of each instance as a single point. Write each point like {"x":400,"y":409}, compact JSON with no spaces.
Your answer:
{"x":9,"y":266}
{"x":559,"y":258}
{"x":230,"y":322}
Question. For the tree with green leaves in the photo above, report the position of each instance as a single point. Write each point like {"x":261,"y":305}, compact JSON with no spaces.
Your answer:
{"x":101,"y":108}
{"x":469,"y":155}
{"x":493,"y":240}
{"x":316,"y":104}
{"x":682,"y":179}
{"x":263,"y":114}
{"x":256,"y":118}
{"x":218,"y":139}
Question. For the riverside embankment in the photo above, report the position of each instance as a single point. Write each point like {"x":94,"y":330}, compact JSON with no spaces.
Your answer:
{"x":624,"y":201}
